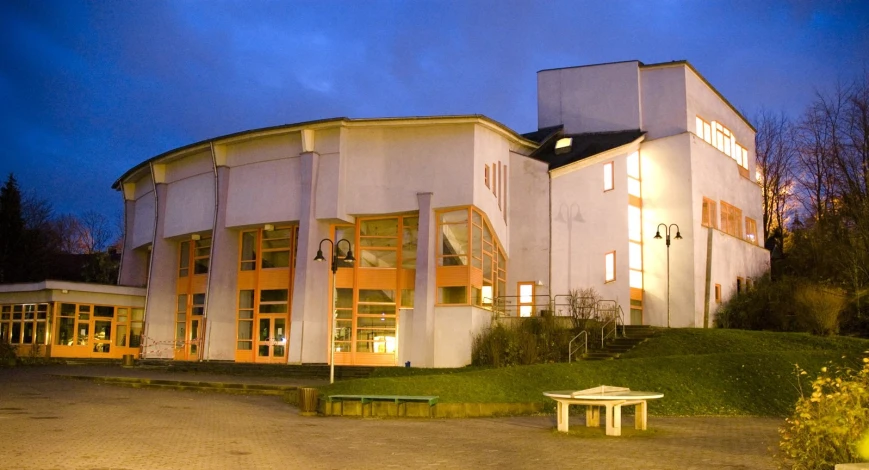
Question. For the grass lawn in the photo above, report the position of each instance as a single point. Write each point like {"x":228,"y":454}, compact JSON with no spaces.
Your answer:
{"x":700,"y":372}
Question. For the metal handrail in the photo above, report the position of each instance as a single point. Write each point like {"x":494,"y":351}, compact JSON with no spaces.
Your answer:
{"x":570,"y":350}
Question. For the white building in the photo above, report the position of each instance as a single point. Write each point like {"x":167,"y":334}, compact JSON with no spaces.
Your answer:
{"x":446,"y":217}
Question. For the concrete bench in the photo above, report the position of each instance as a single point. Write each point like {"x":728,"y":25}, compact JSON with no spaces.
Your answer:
{"x":611,"y":398}
{"x":397,"y":399}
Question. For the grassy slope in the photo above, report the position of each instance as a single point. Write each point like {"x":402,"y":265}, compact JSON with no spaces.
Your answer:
{"x":700,"y":372}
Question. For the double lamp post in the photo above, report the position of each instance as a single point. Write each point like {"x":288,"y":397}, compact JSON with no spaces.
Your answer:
{"x":668,"y":230}
{"x":335,"y":248}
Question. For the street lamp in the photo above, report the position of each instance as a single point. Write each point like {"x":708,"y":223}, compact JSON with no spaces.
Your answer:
{"x":334,"y":246}
{"x":667,"y":231}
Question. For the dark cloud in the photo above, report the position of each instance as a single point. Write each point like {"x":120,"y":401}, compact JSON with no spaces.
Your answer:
{"x":90,"y":89}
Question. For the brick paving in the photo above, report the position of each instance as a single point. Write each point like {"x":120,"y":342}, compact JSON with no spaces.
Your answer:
{"x":50,"y":422}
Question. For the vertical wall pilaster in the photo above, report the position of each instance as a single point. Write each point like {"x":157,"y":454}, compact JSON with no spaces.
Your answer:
{"x":422,"y":330}
{"x":309,"y":325}
{"x":223,"y":280}
{"x":161,"y":305}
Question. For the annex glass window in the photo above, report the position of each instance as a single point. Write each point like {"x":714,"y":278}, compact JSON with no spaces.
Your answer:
{"x":24,"y":324}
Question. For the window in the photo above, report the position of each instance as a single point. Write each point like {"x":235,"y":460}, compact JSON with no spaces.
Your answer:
{"x":725,"y":141}
{"x":740,"y":285}
{"x":23,"y":323}
{"x":717,"y":293}
{"x":610,"y":267}
{"x":563,"y":145}
{"x":526,"y":299}
{"x":472,"y":267}
{"x":750,"y":230}
{"x":731,"y":220}
{"x":635,"y":223}
{"x":199,"y":250}
{"x":486,"y":177}
{"x":608,"y":176}
{"x":710,"y":213}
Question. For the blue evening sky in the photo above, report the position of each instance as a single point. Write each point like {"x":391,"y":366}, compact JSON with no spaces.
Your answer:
{"x":90,"y":89}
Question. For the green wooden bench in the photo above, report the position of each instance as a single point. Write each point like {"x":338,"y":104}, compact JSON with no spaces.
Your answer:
{"x":397,"y":399}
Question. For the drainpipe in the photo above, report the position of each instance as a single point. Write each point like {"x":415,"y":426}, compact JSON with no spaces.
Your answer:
{"x":205,"y":329}
{"x":150,"y":261}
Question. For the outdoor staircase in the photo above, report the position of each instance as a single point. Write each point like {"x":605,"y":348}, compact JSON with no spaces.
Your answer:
{"x":615,"y":347}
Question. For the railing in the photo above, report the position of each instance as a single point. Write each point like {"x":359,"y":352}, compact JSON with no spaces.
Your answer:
{"x":610,"y":314}
{"x":510,"y":305}
{"x":571,"y":351}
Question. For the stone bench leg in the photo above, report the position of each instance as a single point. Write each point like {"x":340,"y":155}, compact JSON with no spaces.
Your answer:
{"x":592,"y":416}
{"x":613,"y":420}
{"x":561,"y":411}
{"x":640,"y":416}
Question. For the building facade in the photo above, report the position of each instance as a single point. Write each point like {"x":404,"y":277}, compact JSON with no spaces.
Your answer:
{"x":450,"y":220}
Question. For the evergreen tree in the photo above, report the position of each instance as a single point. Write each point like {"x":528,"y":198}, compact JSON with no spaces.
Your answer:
{"x":11,"y":232}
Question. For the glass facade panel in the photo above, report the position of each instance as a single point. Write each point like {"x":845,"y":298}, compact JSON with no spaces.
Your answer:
{"x":453,"y":295}
{"x":378,"y":259}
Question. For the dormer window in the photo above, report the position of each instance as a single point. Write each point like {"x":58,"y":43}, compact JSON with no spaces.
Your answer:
{"x":563,"y":145}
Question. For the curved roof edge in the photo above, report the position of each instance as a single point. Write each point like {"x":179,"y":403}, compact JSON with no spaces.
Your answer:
{"x":337,"y":120}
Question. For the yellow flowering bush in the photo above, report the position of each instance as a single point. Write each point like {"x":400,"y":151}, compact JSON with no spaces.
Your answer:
{"x":831,"y":424}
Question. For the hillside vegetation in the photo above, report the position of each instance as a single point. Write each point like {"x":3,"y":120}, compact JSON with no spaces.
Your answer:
{"x":700,"y":372}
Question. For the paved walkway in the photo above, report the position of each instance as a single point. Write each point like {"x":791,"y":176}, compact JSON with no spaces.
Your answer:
{"x":51,"y":422}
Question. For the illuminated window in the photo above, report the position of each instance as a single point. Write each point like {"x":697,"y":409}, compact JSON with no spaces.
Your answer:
{"x":710,"y":213}
{"x":608,"y":176}
{"x":636,"y":279}
{"x":526,"y":299}
{"x":635,"y":256}
{"x":750,"y":230}
{"x":472,"y":267}
{"x":197,"y":250}
{"x":563,"y":146}
{"x":634,"y":165}
{"x":635,"y":224}
{"x":724,"y":140}
{"x":717,"y":293}
{"x":731,"y":220}
{"x":610,"y":267}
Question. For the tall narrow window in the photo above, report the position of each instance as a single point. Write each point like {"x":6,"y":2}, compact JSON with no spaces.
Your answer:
{"x":717,"y":293}
{"x":750,"y":230}
{"x":610,"y":267}
{"x":486,"y":176}
{"x":608,"y":176}
{"x":526,"y":299}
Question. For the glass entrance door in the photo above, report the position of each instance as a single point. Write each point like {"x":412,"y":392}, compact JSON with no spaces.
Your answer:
{"x":271,"y":344}
{"x":189,"y":325}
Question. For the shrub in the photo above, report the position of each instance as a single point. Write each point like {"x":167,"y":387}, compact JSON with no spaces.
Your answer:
{"x":818,"y":308}
{"x":828,"y":425}
{"x":582,"y":303}
{"x":521,"y":341}
{"x":767,"y":306}
{"x":7,"y":353}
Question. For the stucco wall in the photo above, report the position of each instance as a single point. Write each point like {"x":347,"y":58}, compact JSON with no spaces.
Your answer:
{"x":190,"y":205}
{"x":454,"y":331}
{"x":595,"y":98}
{"x":264,"y":192}
{"x":587,"y":223}
{"x":143,"y":221}
{"x":664,"y":101}
{"x":528,"y":215}
{"x":388,"y":166}
{"x":490,"y":149}
{"x":665,"y":167}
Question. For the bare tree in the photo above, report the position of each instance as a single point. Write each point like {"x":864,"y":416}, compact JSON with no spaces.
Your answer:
{"x":774,"y":145}
{"x":96,"y":232}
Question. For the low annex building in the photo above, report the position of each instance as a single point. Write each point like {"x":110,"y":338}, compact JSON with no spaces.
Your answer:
{"x":449,"y":219}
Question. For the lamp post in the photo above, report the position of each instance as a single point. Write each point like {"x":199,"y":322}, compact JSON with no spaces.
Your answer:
{"x":334,"y":246}
{"x":667,"y":231}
